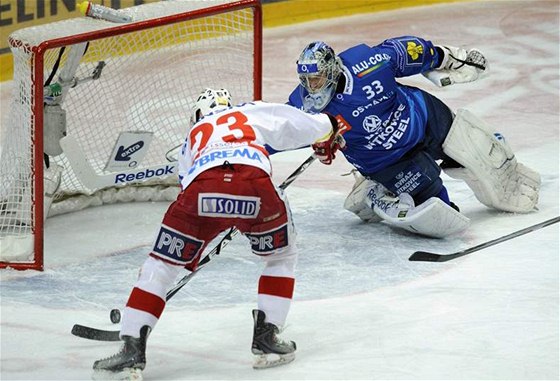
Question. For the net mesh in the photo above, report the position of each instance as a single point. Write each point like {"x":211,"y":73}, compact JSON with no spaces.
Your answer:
{"x":148,"y":83}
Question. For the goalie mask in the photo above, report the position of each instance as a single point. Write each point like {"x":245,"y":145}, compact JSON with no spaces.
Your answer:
{"x":318,"y":68}
{"x":209,"y":101}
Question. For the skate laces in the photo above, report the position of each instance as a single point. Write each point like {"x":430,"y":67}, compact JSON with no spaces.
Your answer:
{"x":116,"y":355}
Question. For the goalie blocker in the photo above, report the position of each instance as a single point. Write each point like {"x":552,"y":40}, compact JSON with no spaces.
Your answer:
{"x":489,"y":168}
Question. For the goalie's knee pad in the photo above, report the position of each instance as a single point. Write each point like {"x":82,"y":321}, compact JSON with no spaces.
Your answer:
{"x":433,"y":218}
{"x":368,"y":197}
{"x":491,"y":169}
{"x":356,"y":201}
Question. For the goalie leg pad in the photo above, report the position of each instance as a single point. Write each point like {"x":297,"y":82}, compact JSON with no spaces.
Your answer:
{"x":492,"y":171}
{"x":433,"y":218}
{"x":356,"y":201}
{"x":473,"y":183}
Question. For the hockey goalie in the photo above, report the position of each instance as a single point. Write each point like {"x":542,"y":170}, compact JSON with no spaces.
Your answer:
{"x":399,"y":138}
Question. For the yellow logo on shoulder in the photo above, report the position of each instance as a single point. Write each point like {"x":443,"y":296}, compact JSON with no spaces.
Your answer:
{"x":414,"y":50}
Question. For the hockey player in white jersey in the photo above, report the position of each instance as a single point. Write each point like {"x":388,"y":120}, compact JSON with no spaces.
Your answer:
{"x":395,"y":135}
{"x":225,"y":172}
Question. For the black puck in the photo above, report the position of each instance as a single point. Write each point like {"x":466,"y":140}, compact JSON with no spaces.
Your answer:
{"x":115,"y":316}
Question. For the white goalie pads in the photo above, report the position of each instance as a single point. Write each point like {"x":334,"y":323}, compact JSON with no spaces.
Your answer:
{"x":433,"y":218}
{"x":372,"y":202}
{"x":356,"y":201}
{"x":458,"y":66}
{"x":491,"y":169}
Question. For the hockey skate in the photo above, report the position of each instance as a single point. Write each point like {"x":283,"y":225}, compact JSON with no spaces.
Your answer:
{"x":128,"y":363}
{"x":266,"y":344}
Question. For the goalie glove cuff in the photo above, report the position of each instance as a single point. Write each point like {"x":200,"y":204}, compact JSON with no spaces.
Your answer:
{"x":454,"y":58}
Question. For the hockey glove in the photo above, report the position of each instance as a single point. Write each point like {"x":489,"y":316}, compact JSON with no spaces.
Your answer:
{"x":326,"y":147}
{"x":457,"y":66}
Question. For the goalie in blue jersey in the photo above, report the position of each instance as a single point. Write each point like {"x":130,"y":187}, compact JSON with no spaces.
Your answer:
{"x":399,"y":137}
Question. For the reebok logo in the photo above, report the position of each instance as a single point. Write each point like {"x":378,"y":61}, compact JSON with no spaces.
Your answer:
{"x":145,"y":174}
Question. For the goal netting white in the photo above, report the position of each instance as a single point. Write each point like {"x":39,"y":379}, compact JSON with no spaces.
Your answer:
{"x":99,"y":109}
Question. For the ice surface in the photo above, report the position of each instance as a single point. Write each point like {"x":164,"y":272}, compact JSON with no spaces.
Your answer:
{"x":361,"y":310}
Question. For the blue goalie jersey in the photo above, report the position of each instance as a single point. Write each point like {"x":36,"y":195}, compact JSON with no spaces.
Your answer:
{"x":379,"y":118}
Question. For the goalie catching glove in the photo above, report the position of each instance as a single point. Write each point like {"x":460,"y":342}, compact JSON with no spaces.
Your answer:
{"x":326,"y":147}
{"x":458,"y":66}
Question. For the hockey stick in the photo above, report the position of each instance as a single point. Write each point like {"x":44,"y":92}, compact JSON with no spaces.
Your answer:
{"x":103,"y":335}
{"x":427,"y":256}
{"x":233,"y":232}
{"x":54,"y":94}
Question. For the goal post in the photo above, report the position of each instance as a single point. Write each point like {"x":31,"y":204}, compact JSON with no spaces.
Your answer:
{"x":100,"y":109}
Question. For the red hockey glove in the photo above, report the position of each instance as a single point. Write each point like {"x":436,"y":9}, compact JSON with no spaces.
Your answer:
{"x":325,"y":149}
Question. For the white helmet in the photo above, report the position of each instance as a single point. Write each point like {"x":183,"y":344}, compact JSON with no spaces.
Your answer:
{"x":209,"y":101}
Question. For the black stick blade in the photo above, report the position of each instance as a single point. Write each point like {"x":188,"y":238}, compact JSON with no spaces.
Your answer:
{"x":94,"y":333}
{"x":425,"y":256}
{"x":433,"y":257}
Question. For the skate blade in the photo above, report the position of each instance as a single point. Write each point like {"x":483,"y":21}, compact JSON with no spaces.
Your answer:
{"x":265,"y":361}
{"x":127,"y":374}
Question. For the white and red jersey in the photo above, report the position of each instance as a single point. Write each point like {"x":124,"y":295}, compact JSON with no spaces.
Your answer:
{"x":238,"y":135}
{"x":210,"y":204}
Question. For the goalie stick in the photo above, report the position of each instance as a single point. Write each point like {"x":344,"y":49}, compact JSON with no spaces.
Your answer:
{"x":94,"y":181}
{"x":426,"y":256}
{"x":103,"y":335}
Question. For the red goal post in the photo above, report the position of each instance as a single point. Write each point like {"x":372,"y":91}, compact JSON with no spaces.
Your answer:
{"x":99,"y":109}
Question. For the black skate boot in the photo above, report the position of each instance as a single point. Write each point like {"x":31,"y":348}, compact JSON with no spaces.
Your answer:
{"x":266,"y":342}
{"x":128,"y":363}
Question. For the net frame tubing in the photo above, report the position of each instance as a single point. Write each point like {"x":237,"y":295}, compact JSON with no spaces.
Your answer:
{"x":38,"y":96}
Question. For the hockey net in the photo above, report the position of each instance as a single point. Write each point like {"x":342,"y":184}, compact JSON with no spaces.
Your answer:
{"x":99,"y":109}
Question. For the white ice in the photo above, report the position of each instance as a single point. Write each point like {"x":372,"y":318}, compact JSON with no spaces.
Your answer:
{"x":361,"y":310}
